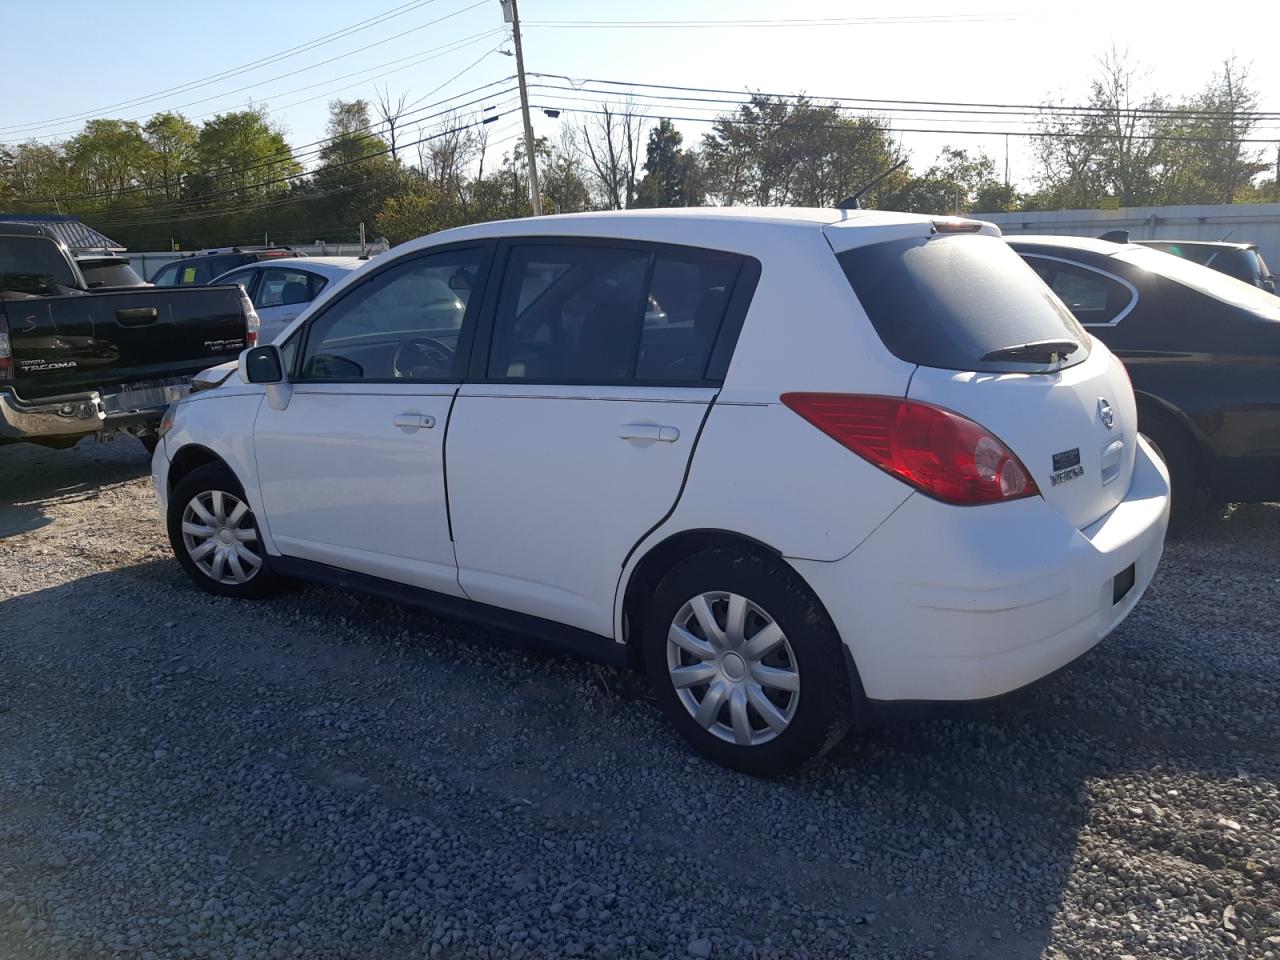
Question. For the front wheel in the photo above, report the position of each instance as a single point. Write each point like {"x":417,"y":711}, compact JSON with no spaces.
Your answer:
{"x":745,"y":662}
{"x":215,"y":537}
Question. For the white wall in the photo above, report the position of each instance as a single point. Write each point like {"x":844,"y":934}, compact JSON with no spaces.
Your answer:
{"x":1242,"y":222}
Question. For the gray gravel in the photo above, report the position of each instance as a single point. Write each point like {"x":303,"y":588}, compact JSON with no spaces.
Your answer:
{"x":325,"y":775}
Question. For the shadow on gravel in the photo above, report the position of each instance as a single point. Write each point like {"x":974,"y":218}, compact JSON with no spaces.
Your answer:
{"x":32,"y":477}
{"x":951,"y":839}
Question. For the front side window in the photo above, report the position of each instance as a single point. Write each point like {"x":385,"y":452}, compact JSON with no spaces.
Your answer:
{"x":584,"y":313}
{"x":1093,"y":297}
{"x":404,"y":323}
{"x":282,"y":288}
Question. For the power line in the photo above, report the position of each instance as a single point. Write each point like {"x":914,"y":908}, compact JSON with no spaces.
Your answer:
{"x":891,"y":114}
{"x":321,"y":63}
{"x":951,"y":114}
{"x":233,"y":71}
{"x":802,"y":124}
{"x":1049,"y":108}
{"x":786,"y":22}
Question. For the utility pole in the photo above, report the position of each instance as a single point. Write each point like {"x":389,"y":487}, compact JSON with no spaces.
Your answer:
{"x":511,"y":15}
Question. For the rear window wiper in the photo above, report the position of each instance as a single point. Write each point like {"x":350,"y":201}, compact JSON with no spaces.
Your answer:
{"x":1038,"y":351}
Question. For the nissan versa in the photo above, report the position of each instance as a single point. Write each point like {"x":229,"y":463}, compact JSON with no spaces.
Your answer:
{"x":798,"y":464}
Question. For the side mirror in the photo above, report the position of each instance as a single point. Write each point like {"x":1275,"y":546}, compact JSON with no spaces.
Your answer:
{"x":262,"y":365}
{"x":460,"y":281}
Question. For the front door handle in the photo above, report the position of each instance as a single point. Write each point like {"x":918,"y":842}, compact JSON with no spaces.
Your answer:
{"x":648,"y":431}
{"x":413,"y":421}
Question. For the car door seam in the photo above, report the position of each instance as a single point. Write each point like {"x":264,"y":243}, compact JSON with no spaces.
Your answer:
{"x":444,"y":469}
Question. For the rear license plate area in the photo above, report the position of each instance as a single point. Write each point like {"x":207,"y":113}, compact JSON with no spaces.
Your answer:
{"x":1123,"y":583}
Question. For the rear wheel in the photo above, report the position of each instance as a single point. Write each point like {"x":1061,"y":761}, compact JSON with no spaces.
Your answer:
{"x":215,"y":537}
{"x":1173,"y":445}
{"x":745,"y":662}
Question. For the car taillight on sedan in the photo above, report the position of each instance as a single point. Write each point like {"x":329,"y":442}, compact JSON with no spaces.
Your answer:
{"x":6,"y":352}
{"x":940,"y":453}
{"x":252,"y":323}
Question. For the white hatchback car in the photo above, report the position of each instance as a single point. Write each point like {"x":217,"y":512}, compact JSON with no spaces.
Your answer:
{"x":849,"y":459}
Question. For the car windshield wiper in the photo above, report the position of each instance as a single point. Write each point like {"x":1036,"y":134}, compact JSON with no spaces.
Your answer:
{"x":1042,"y":351}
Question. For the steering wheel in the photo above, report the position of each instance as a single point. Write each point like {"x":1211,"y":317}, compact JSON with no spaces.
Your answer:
{"x":421,"y":357}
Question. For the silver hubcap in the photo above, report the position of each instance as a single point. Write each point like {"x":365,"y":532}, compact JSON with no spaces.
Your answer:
{"x":218,"y":532}
{"x":733,"y":668}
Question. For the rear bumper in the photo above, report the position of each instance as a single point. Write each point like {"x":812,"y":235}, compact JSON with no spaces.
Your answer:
{"x":70,"y":415}
{"x":92,"y":411}
{"x":955,"y":604}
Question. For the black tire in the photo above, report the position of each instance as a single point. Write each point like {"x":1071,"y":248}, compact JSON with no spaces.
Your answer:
{"x":1174,"y":447}
{"x":149,"y":443}
{"x":823,"y":711}
{"x":209,"y":479}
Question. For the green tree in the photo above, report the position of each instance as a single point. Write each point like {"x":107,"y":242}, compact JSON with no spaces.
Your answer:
{"x":957,"y":182}
{"x":792,"y":151}
{"x":172,"y":139}
{"x":109,"y":157}
{"x":241,"y":157}
{"x":672,"y":174}
{"x":357,"y":173}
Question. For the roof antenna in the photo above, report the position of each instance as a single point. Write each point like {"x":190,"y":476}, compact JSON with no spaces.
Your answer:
{"x":851,"y":202}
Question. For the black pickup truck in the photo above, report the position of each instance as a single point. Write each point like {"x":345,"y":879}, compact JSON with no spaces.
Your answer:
{"x":75,"y":360}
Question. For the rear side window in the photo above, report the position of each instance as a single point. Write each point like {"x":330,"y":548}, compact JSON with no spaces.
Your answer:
{"x":948,"y":301}
{"x":1093,"y":297}
{"x":33,"y":265}
{"x":586,"y":313}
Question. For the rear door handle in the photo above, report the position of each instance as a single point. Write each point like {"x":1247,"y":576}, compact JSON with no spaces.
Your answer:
{"x":648,"y":431}
{"x":413,"y":421}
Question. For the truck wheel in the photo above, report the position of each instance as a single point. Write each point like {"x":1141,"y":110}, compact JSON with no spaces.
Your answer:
{"x":215,"y":537}
{"x":745,"y":662}
{"x":149,"y":443}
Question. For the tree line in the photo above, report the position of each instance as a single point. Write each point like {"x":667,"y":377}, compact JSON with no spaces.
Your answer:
{"x":237,"y":179}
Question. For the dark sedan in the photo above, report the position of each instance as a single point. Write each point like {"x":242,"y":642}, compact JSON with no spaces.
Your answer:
{"x":1202,"y":350}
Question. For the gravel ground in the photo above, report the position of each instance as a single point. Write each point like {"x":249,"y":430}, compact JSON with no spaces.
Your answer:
{"x":324,"y":775}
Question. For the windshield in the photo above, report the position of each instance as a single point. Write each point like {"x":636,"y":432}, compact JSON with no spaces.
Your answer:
{"x":109,"y":273}
{"x":1205,"y":280}
{"x":955,"y":301}
{"x":34,"y":265}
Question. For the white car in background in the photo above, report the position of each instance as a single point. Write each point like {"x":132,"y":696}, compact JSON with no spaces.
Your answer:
{"x":857,"y":459}
{"x":281,"y":289}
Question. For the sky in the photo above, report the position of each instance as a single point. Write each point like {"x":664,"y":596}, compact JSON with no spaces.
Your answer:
{"x":161,"y":54}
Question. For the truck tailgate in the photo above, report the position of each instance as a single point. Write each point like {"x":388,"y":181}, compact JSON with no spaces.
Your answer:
{"x":67,"y":344}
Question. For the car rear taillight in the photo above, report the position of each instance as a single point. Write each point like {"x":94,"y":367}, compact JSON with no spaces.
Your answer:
{"x":6,"y":352}
{"x":251,"y":322}
{"x":940,"y":453}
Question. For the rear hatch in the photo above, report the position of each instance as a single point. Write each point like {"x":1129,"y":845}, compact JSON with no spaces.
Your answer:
{"x":995,"y":345}
{"x":80,"y":342}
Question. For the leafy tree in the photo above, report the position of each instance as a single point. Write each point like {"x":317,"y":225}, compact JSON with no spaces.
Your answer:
{"x":956,"y":183}
{"x":357,"y":172}
{"x":172,"y":139}
{"x":241,"y":157}
{"x":781,"y":151}
{"x":672,"y":174}
{"x":109,"y":156}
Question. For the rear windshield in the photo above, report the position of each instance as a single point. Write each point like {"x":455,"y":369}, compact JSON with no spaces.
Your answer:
{"x":1205,"y":280}
{"x":948,"y":301}
{"x":109,"y":273}
{"x":34,"y":265}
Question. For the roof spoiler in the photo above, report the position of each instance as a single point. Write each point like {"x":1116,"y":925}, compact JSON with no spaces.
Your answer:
{"x":1116,"y":236}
